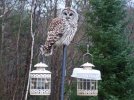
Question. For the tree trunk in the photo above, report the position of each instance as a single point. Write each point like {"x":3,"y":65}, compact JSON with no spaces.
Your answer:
{"x":68,"y":3}
{"x":56,"y":61}
{"x":55,"y":64}
{"x":32,"y":46}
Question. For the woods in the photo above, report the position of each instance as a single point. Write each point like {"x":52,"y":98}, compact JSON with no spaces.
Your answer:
{"x":106,"y":25}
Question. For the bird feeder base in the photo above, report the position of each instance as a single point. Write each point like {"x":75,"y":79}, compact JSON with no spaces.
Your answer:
{"x":40,"y":92}
{"x":81,"y":92}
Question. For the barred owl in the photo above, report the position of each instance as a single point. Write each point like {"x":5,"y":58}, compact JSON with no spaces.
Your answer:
{"x":61,"y":30}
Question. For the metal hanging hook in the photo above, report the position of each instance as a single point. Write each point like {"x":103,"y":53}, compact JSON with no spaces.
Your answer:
{"x":87,"y":53}
{"x":87,"y":48}
{"x":41,"y":57}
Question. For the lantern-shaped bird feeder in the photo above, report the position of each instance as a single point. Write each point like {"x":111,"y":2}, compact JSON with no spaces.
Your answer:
{"x":40,"y":80}
{"x":87,"y":79}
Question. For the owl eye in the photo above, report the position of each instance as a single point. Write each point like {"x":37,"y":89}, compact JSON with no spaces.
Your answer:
{"x":71,"y":14}
{"x":65,"y":13}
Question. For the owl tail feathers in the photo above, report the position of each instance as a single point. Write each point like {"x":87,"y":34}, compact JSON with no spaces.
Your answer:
{"x":46,"y":52}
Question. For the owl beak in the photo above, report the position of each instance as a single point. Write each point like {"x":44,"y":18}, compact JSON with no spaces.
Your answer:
{"x":67,"y":18}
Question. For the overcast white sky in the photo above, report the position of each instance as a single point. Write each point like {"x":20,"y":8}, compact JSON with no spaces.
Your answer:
{"x":131,"y":0}
{"x":131,"y":3}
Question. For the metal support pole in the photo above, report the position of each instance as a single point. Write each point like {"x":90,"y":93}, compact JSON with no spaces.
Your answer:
{"x":63,"y":71}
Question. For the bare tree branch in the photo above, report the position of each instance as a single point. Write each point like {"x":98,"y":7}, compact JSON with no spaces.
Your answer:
{"x":32,"y":35}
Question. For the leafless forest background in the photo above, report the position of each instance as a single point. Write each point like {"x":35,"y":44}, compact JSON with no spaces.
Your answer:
{"x":16,"y":40}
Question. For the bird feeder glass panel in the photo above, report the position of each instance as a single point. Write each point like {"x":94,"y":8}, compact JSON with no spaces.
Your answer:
{"x":86,"y":87}
{"x":40,"y":82}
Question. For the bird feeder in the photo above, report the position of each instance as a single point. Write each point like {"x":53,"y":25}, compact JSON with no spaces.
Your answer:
{"x":87,"y":78}
{"x":40,"y":80}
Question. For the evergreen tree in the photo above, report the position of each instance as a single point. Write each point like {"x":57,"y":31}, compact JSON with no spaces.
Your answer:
{"x":105,"y":25}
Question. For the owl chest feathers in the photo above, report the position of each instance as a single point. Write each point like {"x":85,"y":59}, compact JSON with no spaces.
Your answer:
{"x":68,"y":33}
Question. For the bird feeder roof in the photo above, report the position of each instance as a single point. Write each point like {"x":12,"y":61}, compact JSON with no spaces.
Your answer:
{"x":40,"y":65}
{"x":87,"y":64}
{"x":86,"y":74}
{"x":40,"y":72}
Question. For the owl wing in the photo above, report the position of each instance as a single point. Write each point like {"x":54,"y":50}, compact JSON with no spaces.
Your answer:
{"x":55,"y":32}
{"x":56,"y":29}
{"x":57,"y":25}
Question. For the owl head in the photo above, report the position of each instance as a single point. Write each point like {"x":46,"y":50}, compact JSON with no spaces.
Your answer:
{"x":69,"y":14}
